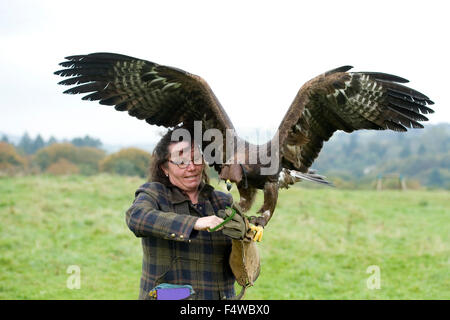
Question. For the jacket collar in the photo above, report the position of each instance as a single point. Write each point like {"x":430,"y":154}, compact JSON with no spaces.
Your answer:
{"x":176,"y":195}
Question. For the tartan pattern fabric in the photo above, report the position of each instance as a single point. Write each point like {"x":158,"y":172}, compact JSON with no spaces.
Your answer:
{"x":175,"y":253}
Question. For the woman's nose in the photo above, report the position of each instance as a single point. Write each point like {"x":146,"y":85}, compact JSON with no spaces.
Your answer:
{"x":191,"y":166}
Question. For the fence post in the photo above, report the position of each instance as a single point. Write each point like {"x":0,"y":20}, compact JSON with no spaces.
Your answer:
{"x":380,"y":183}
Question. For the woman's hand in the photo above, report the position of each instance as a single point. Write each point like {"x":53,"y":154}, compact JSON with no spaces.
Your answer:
{"x":208,"y":222}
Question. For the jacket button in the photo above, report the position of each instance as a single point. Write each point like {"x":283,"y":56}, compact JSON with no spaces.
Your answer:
{"x":173,"y":235}
{"x":181,"y":236}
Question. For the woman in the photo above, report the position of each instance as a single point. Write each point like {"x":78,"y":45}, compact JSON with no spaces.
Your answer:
{"x":172,"y":214}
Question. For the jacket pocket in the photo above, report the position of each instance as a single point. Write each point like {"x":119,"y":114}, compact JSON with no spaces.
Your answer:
{"x":181,"y":271}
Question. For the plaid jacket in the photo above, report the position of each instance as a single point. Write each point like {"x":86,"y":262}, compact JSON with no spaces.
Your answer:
{"x":173,"y":252}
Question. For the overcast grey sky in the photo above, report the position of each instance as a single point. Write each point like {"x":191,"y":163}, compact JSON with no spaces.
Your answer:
{"x":255,"y":55}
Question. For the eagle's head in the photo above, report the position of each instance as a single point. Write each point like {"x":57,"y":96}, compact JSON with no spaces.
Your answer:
{"x":231,"y":173}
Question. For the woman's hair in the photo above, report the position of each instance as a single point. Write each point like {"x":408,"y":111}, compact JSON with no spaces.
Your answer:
{"x":159,"y":159}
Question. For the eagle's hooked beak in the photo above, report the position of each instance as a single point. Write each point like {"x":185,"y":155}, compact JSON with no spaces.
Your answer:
{"x":229,"y":184}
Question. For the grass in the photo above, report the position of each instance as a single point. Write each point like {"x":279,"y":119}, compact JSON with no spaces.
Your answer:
{"x":318,"y":245}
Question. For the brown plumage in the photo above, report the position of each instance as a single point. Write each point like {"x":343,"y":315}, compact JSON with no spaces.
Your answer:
{"x":335,"y":100}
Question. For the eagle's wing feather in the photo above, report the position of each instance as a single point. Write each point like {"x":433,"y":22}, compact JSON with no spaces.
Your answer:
{"x":161,"y":95}
{"x":348,"y":101}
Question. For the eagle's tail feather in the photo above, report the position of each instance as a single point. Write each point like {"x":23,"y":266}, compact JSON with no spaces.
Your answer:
{"x":289,"y":177}
{"x":310,"y":176}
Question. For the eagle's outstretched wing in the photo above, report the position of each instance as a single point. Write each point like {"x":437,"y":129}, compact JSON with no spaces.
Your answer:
{"x":160,"y":95}
{"x":348,"y":101}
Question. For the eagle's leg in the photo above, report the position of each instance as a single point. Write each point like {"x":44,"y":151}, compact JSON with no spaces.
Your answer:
{"x":246,"y":198}
{"x":267,"y":209}
{"x":270,"y":202}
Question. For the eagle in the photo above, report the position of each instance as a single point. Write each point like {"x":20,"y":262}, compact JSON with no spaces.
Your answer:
{"x":170,"y":97}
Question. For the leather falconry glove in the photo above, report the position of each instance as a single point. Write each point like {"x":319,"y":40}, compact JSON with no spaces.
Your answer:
{"x":236,"y":228}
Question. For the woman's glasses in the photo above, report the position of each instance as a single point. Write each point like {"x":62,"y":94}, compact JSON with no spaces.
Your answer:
{"x":184,"y":163}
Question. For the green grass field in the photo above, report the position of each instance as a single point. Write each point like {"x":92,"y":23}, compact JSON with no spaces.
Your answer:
{"x":318,"y":245}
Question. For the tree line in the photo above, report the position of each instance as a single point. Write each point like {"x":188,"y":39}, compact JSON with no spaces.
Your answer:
{"x":77,"y":156}
{"x":353,"y":160}
{"x":28,"y":145}
{"x":360,"y":157}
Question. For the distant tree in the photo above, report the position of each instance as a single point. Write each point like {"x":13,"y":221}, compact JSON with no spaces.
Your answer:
{"x":435,"y":178}
{"x":422,"y":149}
{"x":406,"y":151}
{"x":130,"y":161}
{"x":5,"y":138}
{"x":51,"y":141}
{"x":352,"y":145}
{"x":51,"y":154}
{"x":445,"y":161}
{"x":377,"y":148}
{"x":436,"y":138}
{"x":85,"y":158}
{"x":86,"y":142}
{"x":401,"y":137}
{"x":10,"y":160}
{"x":38,"y":143}
{"x":26,"y":144}
{"x":125,"y":167}
{"x":88,"y":159}
{"x":63,"y":167}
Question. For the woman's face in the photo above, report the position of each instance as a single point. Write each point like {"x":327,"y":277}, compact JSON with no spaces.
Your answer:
{"x":187,"y":179}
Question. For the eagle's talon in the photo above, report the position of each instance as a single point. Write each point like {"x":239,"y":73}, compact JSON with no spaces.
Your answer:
{"x":258,"y":232}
